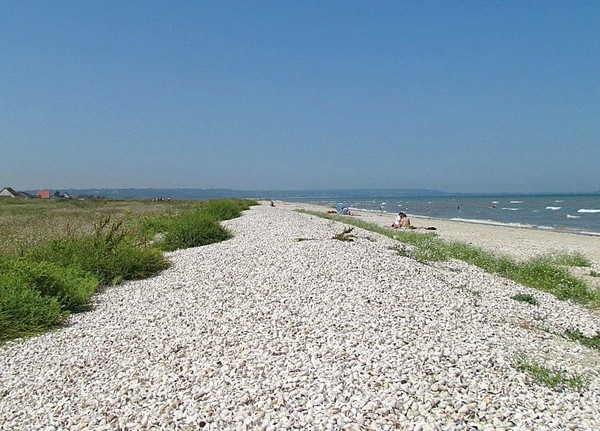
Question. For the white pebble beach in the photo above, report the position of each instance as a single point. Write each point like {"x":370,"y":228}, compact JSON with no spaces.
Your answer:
{"x":283,"y":327}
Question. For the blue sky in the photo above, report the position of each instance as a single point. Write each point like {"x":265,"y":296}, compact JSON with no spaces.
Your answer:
{"x":475,"y":96}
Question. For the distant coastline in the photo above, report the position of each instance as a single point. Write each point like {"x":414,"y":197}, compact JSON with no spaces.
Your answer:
{"x":215,"y":193}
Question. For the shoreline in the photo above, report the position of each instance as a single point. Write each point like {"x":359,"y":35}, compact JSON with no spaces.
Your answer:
{"x":485,"y":223}
{"x":517,"y":242}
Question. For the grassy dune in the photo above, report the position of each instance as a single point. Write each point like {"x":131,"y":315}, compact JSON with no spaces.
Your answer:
{"x":56,"y":254}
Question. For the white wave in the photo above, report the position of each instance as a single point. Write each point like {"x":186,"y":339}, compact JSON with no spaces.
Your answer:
{"x":491,"y":222}
{"x":572,"y":216}
{"x":512,"y":209}
{"x":553,"y":208}
{"x":495,"y":202}
{"x":558,"y":202}
{"x":590,"y":233}
{"x":516,"y":202}
{"x":584,"y":210}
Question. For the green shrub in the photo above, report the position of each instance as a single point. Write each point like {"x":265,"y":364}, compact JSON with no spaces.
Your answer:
{"x":71,"y":287}
{"x":151,"y":225}
{"x":110,"y":263}
{"x":24,"y":311}
{"x":194,"y":230}
{"x":110,"y":254}
{"x":225,"y":209}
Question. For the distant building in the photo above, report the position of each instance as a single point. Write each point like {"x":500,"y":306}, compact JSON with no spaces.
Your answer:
{"x":43,"y":194}
{"x":25,"y":195}
{"x":59,"y":195}
{"x":8,"y":192}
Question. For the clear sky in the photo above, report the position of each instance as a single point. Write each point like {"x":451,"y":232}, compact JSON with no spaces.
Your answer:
{"x":473,"y":96}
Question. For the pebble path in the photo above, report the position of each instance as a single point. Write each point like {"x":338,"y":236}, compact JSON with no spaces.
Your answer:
{"x":284,"y":327}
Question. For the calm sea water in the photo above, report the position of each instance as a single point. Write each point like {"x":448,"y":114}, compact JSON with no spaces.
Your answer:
{"x":577,"y":213}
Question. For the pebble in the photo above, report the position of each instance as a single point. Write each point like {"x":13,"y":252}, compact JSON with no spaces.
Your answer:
{"x":284,"y":327}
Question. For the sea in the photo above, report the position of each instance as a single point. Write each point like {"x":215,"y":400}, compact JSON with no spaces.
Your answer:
{"x":573,"y":213}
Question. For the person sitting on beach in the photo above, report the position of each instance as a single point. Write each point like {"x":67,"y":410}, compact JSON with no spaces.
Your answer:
{"x":402,"y":221}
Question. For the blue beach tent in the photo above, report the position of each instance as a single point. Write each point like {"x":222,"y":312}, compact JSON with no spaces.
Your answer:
{"x":342,"y":209}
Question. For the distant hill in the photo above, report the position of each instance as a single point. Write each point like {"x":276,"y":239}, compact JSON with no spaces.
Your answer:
{"x":230,"y":193}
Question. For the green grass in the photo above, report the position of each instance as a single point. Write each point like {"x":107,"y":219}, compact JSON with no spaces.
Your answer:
{"x":42,"y":281}
{"x":110,"y":254}
{"x":29,"y":223}
{"x":525,"y":297}
{"x":25,"y":312}
{"x":542,"y":273}
{"x":555,"y":379}
{"x":577,"y":335}
{"x":197,"y":227}
{"x":570,"y":259}
{"x":193,"y":230}
{"x":71,"y":286}
{"x":546,"y":273}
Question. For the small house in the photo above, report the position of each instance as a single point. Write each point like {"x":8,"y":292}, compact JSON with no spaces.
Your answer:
{"x":8,"y":192}
{"x":43,"y":194}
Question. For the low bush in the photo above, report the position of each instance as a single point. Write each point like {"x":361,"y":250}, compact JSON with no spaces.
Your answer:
{"x":71,"y":287}
{"x":198,"y":227}
{"x":193,"y":230}
{"x":110,"y":263}
{"x":23,"y":310}
{"x":225,"y":209}
{"x":110,"y":254}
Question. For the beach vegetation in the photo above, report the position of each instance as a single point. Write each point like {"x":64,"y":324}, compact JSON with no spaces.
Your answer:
{"x":577,"y":260}
{"x":56,"y":257}
{"x":111,"y":254}
{"x":541,"y":273}
{"x":545,"y":273}
{"x":28,"y":223}
{"x":193,"y":230}
{"x":577,"y":335}
{"x":525,"y":297}
{"x":553,"y":378}
{"x":594,"y":273}
{"x":196,"y":227}
{"x":24,"y":311}
{"x":71,"y":286}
